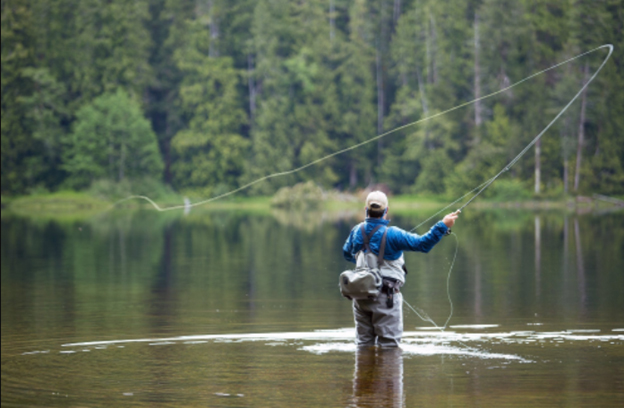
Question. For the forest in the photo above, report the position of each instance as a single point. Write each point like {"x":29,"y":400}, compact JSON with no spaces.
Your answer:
{"x":205,"y":96}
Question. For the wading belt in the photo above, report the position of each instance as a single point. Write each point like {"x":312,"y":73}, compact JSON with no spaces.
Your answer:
{"x":390,"y":286}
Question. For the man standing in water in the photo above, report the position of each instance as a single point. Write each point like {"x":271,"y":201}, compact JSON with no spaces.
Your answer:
{"x":380,"y":321}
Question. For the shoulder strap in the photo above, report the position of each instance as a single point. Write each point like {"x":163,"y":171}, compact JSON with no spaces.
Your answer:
{"x":369,"y":236}
{"x":382,"y":247}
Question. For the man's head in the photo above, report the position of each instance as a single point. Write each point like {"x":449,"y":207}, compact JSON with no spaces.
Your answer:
{"x":376,"y":204}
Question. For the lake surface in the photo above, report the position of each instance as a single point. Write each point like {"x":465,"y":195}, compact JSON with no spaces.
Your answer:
{"x":233,"y":309}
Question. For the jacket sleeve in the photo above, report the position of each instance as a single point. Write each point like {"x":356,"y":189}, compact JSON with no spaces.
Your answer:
{"x":407,"y":241}
{"x":349,"y":247}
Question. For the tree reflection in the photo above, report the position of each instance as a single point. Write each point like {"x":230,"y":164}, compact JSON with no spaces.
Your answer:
{"x":378,"y":378}
{"x":580,"y":267}
{"x":538,"y":255}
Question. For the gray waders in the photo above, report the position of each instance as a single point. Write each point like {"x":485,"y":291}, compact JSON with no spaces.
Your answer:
{"x":379,"y":321}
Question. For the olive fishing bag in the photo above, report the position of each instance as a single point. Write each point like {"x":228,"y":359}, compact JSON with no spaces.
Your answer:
{"x":365,"y":281}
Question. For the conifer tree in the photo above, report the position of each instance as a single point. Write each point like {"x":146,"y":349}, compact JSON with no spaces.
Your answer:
{"x":111,"y":140}
{"x":18,"y":144}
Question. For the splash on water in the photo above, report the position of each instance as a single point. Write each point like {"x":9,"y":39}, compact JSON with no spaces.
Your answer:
{"x":418,"y":343}
{"x":417,"y":349}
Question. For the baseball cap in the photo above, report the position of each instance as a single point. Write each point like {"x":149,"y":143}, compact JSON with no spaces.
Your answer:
{"x":377,"y":200}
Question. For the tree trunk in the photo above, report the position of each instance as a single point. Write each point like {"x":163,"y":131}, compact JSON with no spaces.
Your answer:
{"x":477,"y":75}
{"x":565,"y":151}
{"x":168,"y":158}
{"x":428,"y":56}
{"x":423,"y":101}
{"x":566,"y":176}
{"x":434,"y":67}
{"x":380,"y":93}
{"x":214,"y":31}
{"x":538,"y":166}
{"x":421,"y":91}
{"x":581,"y":133}
{"x":252,"y":90}
{"x":397,"y":11}
{"x":122,"y":161}
{"x":332,"y":21}
{"x":353,"y":175}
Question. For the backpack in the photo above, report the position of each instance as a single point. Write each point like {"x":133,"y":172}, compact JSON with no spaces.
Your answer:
{"x":365,"y":282}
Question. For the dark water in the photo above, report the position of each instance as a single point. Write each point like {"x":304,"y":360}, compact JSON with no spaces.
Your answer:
{"x":227,"y":309}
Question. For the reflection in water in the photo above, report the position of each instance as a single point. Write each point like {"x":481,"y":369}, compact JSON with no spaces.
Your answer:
{"x":309,"y":220}
{"x":580,"y":267}
{"x":477,"y":290}
{"x":378,"y":377}
{"x":149,"y":309}
{"x":538,"y":256}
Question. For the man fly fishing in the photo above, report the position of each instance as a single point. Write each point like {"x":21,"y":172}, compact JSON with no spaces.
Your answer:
{"x":380,"y":320}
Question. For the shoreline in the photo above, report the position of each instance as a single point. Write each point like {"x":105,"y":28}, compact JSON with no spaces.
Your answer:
{"x":82,"y":204}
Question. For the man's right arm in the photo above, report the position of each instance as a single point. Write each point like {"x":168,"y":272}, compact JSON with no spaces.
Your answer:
{"x":407,"y":241}
{"x":424,"y":243}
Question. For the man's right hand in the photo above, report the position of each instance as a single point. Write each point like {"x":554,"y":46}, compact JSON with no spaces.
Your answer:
{"x":449,"y":219}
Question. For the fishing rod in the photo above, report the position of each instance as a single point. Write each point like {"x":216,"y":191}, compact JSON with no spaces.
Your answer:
{"x":476,"y":191}
{"x":480,"y":188}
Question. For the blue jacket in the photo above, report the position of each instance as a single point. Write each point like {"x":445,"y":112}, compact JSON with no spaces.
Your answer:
{"x":397,"y":240}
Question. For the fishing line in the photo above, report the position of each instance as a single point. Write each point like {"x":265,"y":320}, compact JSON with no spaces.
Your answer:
{"x":479,"y":189}
{"x":424,"y":316}
{"x":538,"y":137}
{"x":421,"y":312}
{"x":298,"y":169}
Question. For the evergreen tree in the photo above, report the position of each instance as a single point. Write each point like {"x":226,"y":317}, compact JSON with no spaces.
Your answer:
{"x":46,"y":112}
{"x":600,"y":155}
{"x":239,"y":89}
{"x":17,"y":53}
{"x":111,"y":139}
{"x":166,"y":26}
{"x":211,"y":152}
{"x":295,"y":92}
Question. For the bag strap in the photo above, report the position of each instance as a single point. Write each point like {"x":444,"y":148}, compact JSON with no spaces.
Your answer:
{"x":367,"y":237}
{"x":382,"y":247}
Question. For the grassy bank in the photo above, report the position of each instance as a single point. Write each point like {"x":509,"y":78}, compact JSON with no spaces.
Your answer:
{"x":59,"y":201}
{"x":85,"y":204}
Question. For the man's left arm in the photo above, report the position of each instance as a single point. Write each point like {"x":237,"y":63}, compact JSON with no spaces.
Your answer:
{"x":347,"y":248}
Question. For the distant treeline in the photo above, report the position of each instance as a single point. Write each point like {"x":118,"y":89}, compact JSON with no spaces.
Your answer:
{"x":207,"y":95}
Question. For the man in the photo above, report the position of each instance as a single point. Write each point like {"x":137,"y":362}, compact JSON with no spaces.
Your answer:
{"x":380,"y":321}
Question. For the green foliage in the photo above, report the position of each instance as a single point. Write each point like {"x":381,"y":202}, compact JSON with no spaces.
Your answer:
{"x":297,"y":102}
{"x":17,"y":53}
{"x":111,"y":138}
{"x":45,"y":112}
{"x":240,"y":89}
{"x":435,"y":166}
{"x":301,"y":196}
{"x":211,"y":150}
{"x":505,"y":190}
{"x":147,"y":186}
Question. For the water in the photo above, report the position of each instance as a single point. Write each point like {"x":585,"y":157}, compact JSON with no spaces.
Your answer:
{"x":231,"y":309}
